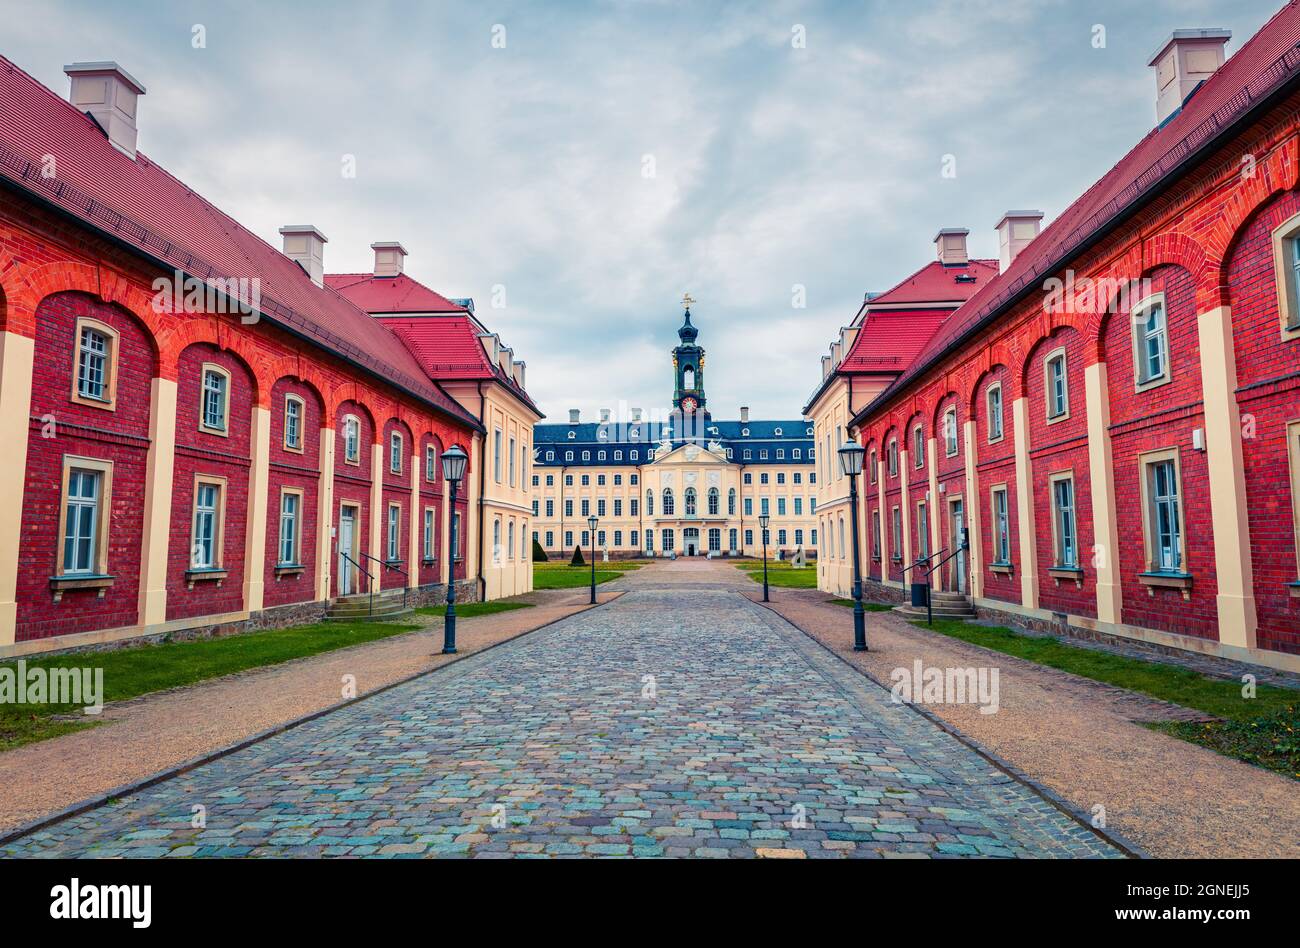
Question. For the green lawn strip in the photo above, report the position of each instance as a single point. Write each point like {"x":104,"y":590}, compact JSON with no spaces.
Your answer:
{"x":1172,"y":683}
{"x":788,"y":579}
{"x":131,"y":672}
{"x":562,"y":579}
{"x":1261,"y":730}
{"x":1272,"y":741}
{"x":620,"y":565}
{"x":470,"y":609}
{"x":868,"y":606}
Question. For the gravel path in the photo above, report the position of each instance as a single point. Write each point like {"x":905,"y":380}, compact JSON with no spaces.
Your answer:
{"x":1079,"y":738}
{"x":679,"y":720}
{"x":155,"y":732}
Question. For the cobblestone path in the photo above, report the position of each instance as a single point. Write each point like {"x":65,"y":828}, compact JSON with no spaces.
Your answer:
{"x":679,"y":720}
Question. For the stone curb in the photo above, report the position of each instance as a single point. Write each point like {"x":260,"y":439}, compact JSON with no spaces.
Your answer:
{"x":128,"y":789}
{"x":1120,"y":842}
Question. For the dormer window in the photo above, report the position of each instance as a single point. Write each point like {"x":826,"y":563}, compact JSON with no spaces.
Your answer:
{"x":572,"y":435}
{"x":744,"y":432}
{"x":636,"y":433}
{"x":778,"y":432}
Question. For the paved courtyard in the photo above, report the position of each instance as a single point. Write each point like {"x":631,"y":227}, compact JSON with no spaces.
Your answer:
{"x":681,"y":719}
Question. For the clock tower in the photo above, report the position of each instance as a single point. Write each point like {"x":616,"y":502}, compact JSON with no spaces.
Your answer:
{"x":688,"y":368}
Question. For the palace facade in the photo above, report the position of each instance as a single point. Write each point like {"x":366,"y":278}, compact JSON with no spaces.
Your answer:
{"x":680,"y":484}
{"x":1113,"y":417}
{"x":206,"y":432}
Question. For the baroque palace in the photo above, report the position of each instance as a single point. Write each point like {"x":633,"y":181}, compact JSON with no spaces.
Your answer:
{"x":682,"y":484}
{"x":1110,"y":412}
{"x":204,"y":431}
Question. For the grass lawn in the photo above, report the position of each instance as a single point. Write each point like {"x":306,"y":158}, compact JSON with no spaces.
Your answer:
{"x":1264,"y":730}
{"x":867,"y":606}
{"x":781,"y":574}
{"x":621,"y":565}
{"x":470,"y":609}
{"x":130,"y":672}
{"x":572,"y":577}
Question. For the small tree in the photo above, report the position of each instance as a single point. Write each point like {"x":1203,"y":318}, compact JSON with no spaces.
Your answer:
{"x":577,"y":557}
{"x":539,"y":555}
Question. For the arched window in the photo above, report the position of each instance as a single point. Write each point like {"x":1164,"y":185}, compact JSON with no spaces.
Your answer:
{"x":731,"y":502}
{"x":690,"y":501}
{"x":688,"y":378}
{"x":668,"y":502}
{"x":649,"y":503}
{"x":713,"y":501}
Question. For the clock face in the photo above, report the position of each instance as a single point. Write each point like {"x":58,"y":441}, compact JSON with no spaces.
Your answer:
{"x":689,"y":404}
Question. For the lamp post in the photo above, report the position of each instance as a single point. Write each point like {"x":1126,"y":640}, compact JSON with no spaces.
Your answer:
{"x":591,"y":522}
{"x":454,"y":460}
{"x":762,"y":528}
{"x":851,"y":464}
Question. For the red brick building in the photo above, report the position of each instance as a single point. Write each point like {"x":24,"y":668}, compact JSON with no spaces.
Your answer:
{"x":196,"y":426}
{"x":1115,"y":417}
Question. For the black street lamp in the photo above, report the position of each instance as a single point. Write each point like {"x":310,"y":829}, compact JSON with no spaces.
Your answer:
{"x":851,"y":464}
{"x":762,"y":528}
{"x":454,"y":460}
{"x":591,"y":522}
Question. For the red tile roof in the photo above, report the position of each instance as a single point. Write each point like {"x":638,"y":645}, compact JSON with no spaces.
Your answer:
{"x":399,"y":294}
{"x":1267,"y":60}
{"x":141,"y":204}
{"x":888,"y":341}
{"x":446,"y":345}
{"x":936,"y":283}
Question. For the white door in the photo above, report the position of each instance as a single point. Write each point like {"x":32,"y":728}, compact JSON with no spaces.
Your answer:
{"x":347,"y":574}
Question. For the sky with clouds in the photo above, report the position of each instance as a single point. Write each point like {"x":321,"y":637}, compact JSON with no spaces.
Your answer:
{"x":526,"y":164}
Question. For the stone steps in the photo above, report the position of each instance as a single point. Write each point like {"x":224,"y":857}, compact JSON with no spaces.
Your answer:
{"x":388,"y":604}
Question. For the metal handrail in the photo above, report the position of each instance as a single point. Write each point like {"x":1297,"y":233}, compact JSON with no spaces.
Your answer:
{"x":921,"y":561}
{"x":386,"y":564}
{"x":370,"y":579}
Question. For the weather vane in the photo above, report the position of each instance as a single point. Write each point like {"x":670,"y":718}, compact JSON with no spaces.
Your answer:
{"x":687,"y":301}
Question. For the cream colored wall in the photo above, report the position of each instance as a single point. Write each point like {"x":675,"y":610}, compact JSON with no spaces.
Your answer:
{"x":506,"y":568}
{"x":830,"y":415}
{"x":703,"y":474}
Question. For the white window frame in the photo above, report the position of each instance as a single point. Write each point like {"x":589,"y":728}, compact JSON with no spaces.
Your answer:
{"x":396,"y":448}
{"x":218,"y":524}
{"x":211,"y":368}
{"x":952,"y":445}
{"x":108,"y":402}
{"x":292,"y":399}
{"x":1286,"y":276}
{"x":430,"y":534}
{"x":393,"y":533}
{"x":1049,"y":392}
{"x":295,"y":541}
{"x":1141,"y":336}
{"x":352,"y":440}
{"x":1059,"y":561}
{"x":1153,"y":559}
{"x":1000,"y":515}
{"x":996,"y":411}
{"x":101,"y":521}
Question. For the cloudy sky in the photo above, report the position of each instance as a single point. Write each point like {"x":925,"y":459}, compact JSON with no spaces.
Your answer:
{"x":592,"y":161}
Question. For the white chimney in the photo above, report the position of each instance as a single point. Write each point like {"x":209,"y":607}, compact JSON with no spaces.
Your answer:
{"x":1015,"y":231}
{"x":520,"y":375}
{"x":305,"y":245}
{"x":636,"y":414}
{"x":744,"y":413}
{"x":826,"y":366}
{"x":110,"y":94}
{"x":388,"y":258}
{"x":950,"y":243}
{"x":604,"y":416}
{"x":1185,"y":59}
{"x":573,"y":416}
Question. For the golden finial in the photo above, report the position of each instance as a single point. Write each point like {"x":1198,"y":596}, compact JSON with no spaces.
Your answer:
{"x":687,"y":301}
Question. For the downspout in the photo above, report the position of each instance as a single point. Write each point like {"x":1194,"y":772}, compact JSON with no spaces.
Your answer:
{"x":482,"y":486}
